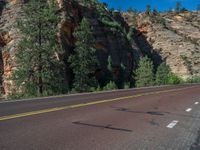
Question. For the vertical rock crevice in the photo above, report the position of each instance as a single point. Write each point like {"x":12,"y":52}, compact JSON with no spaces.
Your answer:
{"x":2,"y":44}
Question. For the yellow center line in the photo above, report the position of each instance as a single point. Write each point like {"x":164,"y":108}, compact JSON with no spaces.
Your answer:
{"x":37,"y":112}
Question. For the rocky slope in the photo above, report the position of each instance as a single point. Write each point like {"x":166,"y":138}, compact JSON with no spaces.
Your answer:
{"x":167,"y":37}
{"x":109,"y":31}
{"x":10,"y":10}
{"x":174,"y":37}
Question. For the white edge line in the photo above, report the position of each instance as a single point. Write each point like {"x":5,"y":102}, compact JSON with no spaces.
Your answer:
{"x":196,"y":103}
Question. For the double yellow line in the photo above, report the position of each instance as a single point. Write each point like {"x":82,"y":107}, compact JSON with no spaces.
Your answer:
{"x":37,"y":112}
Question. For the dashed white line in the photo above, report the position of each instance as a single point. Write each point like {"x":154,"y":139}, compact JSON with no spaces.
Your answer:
{"x":188,"y":110}
{"x":172,"y":124}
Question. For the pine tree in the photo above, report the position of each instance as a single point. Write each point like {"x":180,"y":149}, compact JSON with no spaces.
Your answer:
{"x":148,"y":9}
{"x":178,"y":7}
{"x":38,"y":64}
{"x":162,"y":74}
{"x":130,"y":10}
{"x":198,"y":7}
{"x":155,"y":11}
{"x":84,"y":61}
{"x":144,"y":75}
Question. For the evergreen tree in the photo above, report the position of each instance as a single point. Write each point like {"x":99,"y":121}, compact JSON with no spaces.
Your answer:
{"x":84,"y":61}
{"x":148,"y":9}
{"x":130,"y":10}
{"x":178,"y":7}
{"x":38,"y":66}
{"x":105,"y":4}
{"x":198,"y":7}
{"x":131,"y":33}
{"x":155,"y":12}
{"x":144,"y":75}
{"x":162,"y":74}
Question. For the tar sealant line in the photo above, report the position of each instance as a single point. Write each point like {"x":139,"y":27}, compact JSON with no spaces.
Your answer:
{"x":196,"y":103}
{"x":172,"y":124}
{"x":188,"y":110}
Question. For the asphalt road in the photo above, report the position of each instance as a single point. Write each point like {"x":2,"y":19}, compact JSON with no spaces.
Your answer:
{"x":161,"y":118}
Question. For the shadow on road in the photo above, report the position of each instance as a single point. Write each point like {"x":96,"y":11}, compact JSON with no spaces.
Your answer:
{"x":102,"y":126}
{"x":156,"y":113}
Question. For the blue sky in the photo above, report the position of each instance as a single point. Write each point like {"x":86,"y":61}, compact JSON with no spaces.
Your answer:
{"x":160,"y":5}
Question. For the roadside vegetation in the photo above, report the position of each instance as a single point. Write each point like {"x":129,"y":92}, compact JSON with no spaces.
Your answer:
{"x":83,"y":61}
{"x":40,"y":67}
{"x":144,"y":75}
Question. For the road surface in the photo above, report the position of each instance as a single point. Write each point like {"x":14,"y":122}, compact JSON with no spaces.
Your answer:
{"x":160,"y":118}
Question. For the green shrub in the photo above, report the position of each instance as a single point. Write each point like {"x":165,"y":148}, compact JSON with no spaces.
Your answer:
{"x":110,"y":86}
{"x":174,"y":79}
{"x":83,"y":62}
{"x":130,"y":34}
{"x":109,"y":66}
{"x":144,"y":75}
{"x":162,"y":74}
{"x":194,"y":79}
{"x":126,"y":85}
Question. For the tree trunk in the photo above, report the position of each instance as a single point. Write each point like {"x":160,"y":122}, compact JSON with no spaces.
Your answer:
{"x":40,"y":80}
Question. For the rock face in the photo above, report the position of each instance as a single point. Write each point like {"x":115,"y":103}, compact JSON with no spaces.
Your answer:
{"x":175,"y":38}
{"x":108,"y":42}
{"x":9,"y":12}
